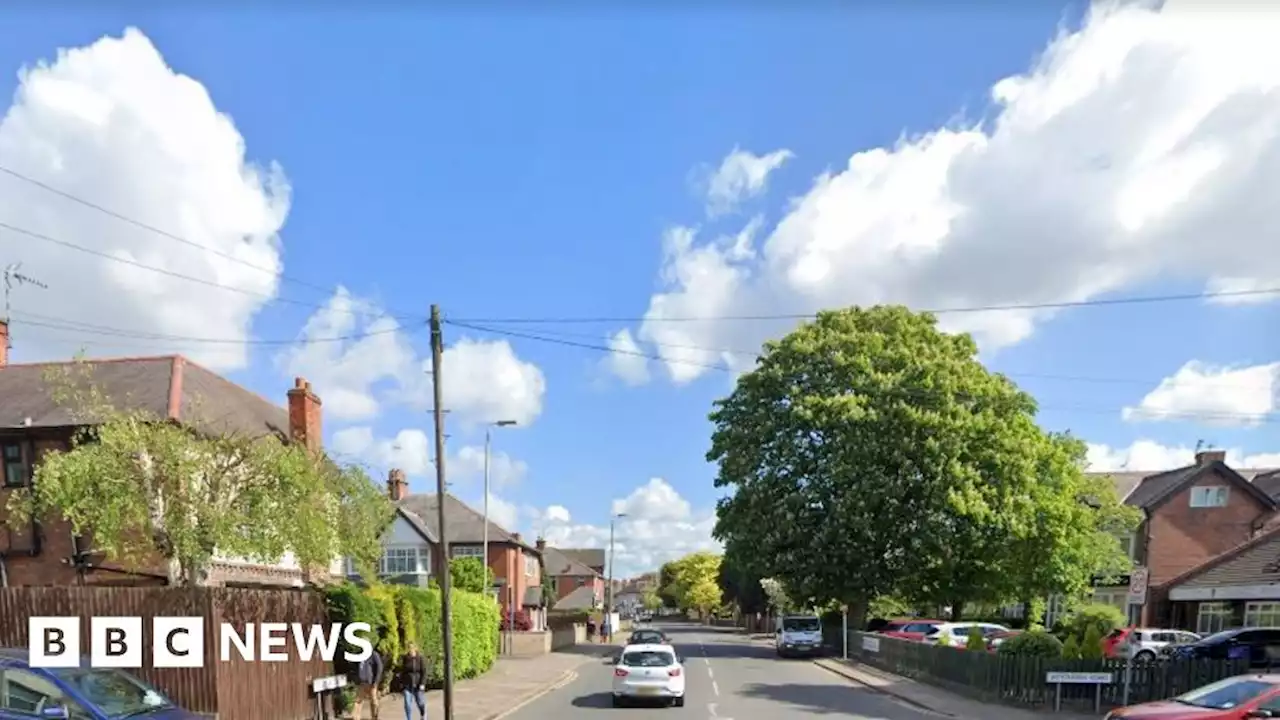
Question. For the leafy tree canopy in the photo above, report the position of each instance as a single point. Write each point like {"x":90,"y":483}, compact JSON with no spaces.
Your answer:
{"x":695,"y":570}
{"x":871,"y":454}
{"x":468,"y":573}
{"x":143,"y":487}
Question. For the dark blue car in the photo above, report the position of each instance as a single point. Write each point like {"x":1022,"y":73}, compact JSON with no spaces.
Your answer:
{"x":82,"y":693}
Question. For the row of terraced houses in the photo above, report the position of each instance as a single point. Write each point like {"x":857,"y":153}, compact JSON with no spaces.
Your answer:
{"x":174,"y":388}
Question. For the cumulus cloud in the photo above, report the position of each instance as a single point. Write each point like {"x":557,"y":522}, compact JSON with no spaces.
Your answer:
{"x":1142,"y":146}
{"x":504,"y":470}
{"x":1151,"y":456}
{"x":659,"y":525}
{"x":111,"y":123}
{"x":1214,"y":395}
{"x":413,"y":451}
{"x":741,"y":175}
{"x":378,"y":365}
{"x":626,"y":360}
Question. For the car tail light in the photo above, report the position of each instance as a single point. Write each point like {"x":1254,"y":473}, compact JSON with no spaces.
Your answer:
{"x":674,"y":672}
{"x":619,"y":673}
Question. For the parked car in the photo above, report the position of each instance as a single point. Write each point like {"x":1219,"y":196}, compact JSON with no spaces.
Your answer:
{"x":1146,"y":644}
{"x":649,"y":673}
{"x":995,"y":641}
{"x":647,"y":636}
{"x":910,"y":628}
{"x":1236,"y":698}
{"x":1260,"y":646}
{"x":959,"y":632}
{"x":78,"y":693}
{"x":799,"y":635}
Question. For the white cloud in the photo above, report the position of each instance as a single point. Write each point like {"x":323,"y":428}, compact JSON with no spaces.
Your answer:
{"x":410,"y":450}
{"x":1213,"y":395}
{"x":626,"y":359}
{"x":1151,"y":456}
{"x":111,"y":123}
{"x":502,"y":512}
{"x":504,"y":470}
{"x":483,"y":381}
{"x":659,"y":526}
{"x":742,"y":175}
{"x":1142,"y":146}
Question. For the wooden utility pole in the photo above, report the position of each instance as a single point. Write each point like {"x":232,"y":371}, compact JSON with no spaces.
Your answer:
{"x":446,"y":616}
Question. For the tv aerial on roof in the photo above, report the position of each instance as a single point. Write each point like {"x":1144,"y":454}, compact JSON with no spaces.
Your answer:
{"x":14,"y":277}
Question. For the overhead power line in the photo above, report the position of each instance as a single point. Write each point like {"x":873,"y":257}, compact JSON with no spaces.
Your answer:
{"x":55,"y":323}
{"x":907,"y":392}
{"x":1101,"y":302}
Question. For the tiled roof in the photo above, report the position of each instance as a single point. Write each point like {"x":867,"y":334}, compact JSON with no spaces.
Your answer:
{"x":583,"y":598}
{"x":167,"y":387}
{"x":558,"y":564}
{"x":465,"y":525}
{"x":591,"y":557}
{"x":1147,"y":489}
{"x":1255,"y":562}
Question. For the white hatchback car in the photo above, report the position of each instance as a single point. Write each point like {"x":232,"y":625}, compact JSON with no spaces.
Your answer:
{"x":648,"y":672}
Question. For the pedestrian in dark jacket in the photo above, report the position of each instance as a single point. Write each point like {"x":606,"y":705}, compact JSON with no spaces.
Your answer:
{"x":368,"y":678}
{"x":411,"y":677}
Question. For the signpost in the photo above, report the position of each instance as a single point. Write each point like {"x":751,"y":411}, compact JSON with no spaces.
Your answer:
{"x":844,"y":631}
{"x":1058,"y":679}
{"x":1138,"y":581}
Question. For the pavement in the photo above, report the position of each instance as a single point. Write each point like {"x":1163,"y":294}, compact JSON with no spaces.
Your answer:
{"x":509,"y":684}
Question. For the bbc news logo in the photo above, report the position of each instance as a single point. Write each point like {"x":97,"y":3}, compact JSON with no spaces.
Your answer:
{"x":179,"y":642}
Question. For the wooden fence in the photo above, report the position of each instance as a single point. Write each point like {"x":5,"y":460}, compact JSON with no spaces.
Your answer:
{"x":232,"y":690}
{"x":1021,"y":680}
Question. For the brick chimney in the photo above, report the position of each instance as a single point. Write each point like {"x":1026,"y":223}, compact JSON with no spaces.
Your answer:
{"x":304,"y":415}
{"x":516,"y":537}
{"x":541,"y":544}
{"x":4,"y":343}
{"x":397,"y":486}
{"x":1204,"y":457}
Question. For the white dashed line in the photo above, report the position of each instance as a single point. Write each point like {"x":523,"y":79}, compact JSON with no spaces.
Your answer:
{"x":709,"y":672}
{"x":715,"y":689}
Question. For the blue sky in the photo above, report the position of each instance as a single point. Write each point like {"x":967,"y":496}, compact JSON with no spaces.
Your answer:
{"x":508,"y":164}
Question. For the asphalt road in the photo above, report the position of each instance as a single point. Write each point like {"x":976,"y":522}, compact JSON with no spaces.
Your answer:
{"x":730,"y":677}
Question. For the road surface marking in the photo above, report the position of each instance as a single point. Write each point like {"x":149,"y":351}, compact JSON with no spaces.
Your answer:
{"x":709,"y":671}
{"x":715,"y":689}
{"x":712,"y":708}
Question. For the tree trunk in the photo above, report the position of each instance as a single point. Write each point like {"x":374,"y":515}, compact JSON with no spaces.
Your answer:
{"x":957,"y":610}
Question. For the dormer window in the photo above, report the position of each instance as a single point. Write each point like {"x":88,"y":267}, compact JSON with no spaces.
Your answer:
{"x":1209,"y":496}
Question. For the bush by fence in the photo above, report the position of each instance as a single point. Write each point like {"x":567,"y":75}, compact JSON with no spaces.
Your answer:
{"x":1020,"y":679}
{"x":402,"y":614}
{"x":232,"y":690}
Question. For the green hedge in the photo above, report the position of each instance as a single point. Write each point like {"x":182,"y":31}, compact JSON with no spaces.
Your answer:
{"x":401,"y":614}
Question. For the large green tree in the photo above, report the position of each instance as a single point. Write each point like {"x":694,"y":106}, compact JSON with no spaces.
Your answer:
{"x":144,"y":488}
{"x":740,"y":581}
{"x":870,"y":453}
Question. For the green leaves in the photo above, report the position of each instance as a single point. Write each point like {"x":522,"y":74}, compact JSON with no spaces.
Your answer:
{"x":144,"y":487}
{"x":870,"y":454}
{"x":468,"y":573}
{"x":692,"y":582}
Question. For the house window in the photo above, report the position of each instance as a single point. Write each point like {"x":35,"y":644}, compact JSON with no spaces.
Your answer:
{"x":1262,"y":614}
{"x":405,"y":561}
{"x":16,"y":471}
{"x":582,"y":582}
{"x":1212,"y":617}
{"x":530,"y":565}
{"x":1130,"y":543}
{"x":466,"y":551}
{"x":1114,"y":598}
{"x":1209,"y":496}
{"x":1055,"y":610}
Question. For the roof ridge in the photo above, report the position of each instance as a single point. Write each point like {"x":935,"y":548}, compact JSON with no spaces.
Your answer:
{"x":95,"y":361}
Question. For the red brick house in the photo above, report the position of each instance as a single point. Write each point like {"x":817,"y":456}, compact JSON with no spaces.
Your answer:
{"x":1239,"y":588}
{"x":1190,"y":515}
{"x":578,"y":587}
{"x":172,"y":387}
{"x":411,"y":548}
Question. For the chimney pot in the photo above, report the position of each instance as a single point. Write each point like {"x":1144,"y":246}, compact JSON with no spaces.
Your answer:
{"x":1205,"y":457}
{"x":541,"y":544}
{"x":515,"y":536}
{"x":4,"y":343}
{"x":397,"y":485}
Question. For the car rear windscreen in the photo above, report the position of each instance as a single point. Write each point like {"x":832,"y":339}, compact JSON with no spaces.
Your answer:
{"x":648,"y":658}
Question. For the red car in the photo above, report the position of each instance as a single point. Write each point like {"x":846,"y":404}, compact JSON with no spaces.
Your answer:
{"x":1111,"y":643}
{"x":1237,"y":698}
{"x":910,"y":628}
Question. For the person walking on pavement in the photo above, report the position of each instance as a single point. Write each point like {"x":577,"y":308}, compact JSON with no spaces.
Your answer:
{"x":412,"y":680}
{"x":368,"y":677}
{"x":591,"y":629}
{"x":606,"y":629}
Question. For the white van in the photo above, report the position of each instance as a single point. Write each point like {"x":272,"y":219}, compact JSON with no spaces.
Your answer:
{"x":799,"y":635}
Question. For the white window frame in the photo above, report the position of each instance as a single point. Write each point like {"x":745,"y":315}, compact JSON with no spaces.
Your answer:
{"x":466,"y":551}
{"x":1130,"y":542}
{"x":1055,"y":608}
{"x":1114,"y":598}
{"x":405,"y":560}
{"x":1210,"y":496}
{"x":1212,"y":617}
{"x":530,"y":565}
{"x":1264,"y":613}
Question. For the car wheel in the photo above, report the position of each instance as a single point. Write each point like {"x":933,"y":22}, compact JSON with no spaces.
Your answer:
{"x":617,"y":701}
{"x":1145,"y":656}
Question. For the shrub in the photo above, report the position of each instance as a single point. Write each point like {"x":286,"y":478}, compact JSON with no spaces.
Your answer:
{"x":520,"y":619}
{"x":977,"y":642}
{"x":1071,"y":648}
{"x":1033,"y":643}
{"x":1091,"y":646}
{"x":1103,"y":618}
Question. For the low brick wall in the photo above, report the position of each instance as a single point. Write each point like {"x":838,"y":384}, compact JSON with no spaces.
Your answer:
{"x":526,"y":644}
{"x":568,"y":636}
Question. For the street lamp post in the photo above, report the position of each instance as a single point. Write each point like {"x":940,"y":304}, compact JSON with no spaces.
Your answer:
{"x":609,"y":590}
{"x":488,"y":442}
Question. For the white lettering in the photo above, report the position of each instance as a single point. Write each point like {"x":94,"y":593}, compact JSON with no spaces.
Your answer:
{"x":231,"y":637}
{"x":349,"y":633}
{"x":270,"y":638}
{"x":306,"y":644}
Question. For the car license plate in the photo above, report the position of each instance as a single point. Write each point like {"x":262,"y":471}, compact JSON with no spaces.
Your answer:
{"x":648,"y":691}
